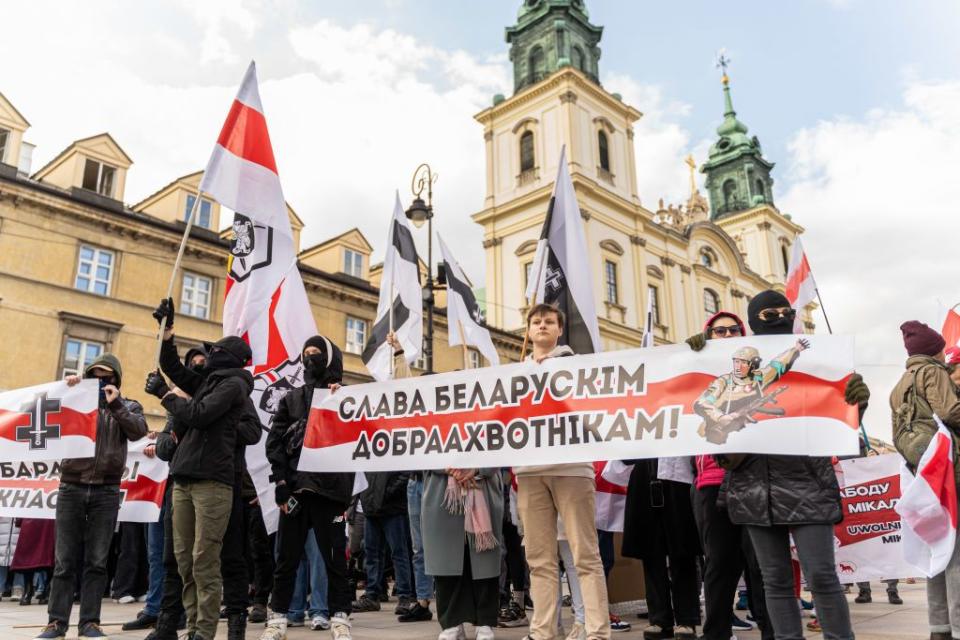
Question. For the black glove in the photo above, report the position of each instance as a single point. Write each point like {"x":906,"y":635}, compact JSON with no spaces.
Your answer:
{"x":156,"y":385}
{"x":165,"y":309}
{"x":281,"y":493}
{"x":697,"y":341}
{"x":856,"y":392}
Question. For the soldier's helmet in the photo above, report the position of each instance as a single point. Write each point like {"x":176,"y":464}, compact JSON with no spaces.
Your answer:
{"x":748,"y":354}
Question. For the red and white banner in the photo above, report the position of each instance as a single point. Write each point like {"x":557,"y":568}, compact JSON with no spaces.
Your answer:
{"x":265,"y":302}
{"x":49,"y":421}
{"x":951,"y":326}
{"x":611,"y":499}
{"x":801,"y":288}
{"x":639,"y":403}
{"x":29,"y":489}
{"x":868,"y":541}
{"x":929,"y":507}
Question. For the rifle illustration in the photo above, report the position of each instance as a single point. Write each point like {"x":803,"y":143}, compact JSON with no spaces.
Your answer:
{"x":717,"y":431}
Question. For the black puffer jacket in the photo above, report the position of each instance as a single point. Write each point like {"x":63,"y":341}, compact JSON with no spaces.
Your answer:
{"x":767,"y":490}
{"x":284,"y":456}
{"x":386,"y":495}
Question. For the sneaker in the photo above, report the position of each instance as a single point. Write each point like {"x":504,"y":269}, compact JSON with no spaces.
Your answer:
{"x":142,"y":598}
{"x":127,"y":599}
{"x":276,"y":628}
{"x":616,"y":624}
{"x":863,"y":597}
{"x":814,"y":625}
{"x":417,"y":613}
{"x":511,"y":616}
{"x":893,"y":597}
{"x":578,"y":632}
{"x":143,"y":621}
{"x":340,"y":626}
{"x":684,"y":632}
{"x":258,"y":613}
{"x":806,"y":605}
{"x":319,"y":622}
{"x":92,"y":630}
{"x":485,"y":633}
{"x":737,"y":624}
{"x":403,"y":606}
{"x":656,"y":632}
{"x":453,"y":633}
{"x":366,"y":603}
{"x":53,"y":631}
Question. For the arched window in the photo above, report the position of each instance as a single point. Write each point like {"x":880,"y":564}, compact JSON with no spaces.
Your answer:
{"x":711,"y":301}
{"x":760,"y":188}
{"x":577,"y":59}
{"x":604,"y":146}
{"x":786,"y":259}
{"x":535,"y":64}
{"x":729,"y":192}
{"x":527,"y":159}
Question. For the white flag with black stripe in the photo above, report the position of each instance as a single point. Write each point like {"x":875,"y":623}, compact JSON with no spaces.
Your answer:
{"x":401,"y":301}
{"x":648,"y":327}
{"x":464,"y":317}
{"x":561,"y":269}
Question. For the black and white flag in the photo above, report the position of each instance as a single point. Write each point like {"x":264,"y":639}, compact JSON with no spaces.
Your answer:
{"x":465,"y":323}
{"x":648,"y":326}
{"x":401,"y":301}
{"x":561,"y":269}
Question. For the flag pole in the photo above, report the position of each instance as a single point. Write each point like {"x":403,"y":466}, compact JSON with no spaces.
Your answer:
{"x":533,"y":303}
{"x":463,"y":343}
{"x":173,"y":276}
{"x":390,"y":315}
{"x":823,"y":311}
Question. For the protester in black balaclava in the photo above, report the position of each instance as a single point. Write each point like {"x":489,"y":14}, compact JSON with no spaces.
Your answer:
{"x":778,"y":496}
{"x":308,"y":501}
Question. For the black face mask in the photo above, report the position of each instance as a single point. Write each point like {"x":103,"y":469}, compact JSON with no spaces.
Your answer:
{"x":778,"y":326}
{"x":315,"y":366}
{"x":104,"y":382}
{"x":768,"y":300}
{"x":198,"y":367}
{"x":222,"y":360}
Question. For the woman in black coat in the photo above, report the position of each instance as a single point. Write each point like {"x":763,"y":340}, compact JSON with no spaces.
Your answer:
{"x":658,"y":524}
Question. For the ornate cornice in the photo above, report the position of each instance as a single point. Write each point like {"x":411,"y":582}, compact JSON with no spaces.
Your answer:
{"x":491,"y":242}
{"x":568,"y":96}
{"x":638,"y":240}
{"x":667,"y":262}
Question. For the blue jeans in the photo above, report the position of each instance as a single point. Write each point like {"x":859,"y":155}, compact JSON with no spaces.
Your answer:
{"x":157,"y":573}
{"x":312,"y":570}
{"x":422,"y":581}
{"x":396,"y":530}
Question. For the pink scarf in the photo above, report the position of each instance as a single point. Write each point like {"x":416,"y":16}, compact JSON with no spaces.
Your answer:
{"x":472,"y":503}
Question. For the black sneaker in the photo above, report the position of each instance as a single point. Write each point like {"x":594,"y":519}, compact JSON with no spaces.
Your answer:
{"x":417,"y":613}
{"x":365,"y":603}
{"x":143,"y":621}
{"x":511,"y":616}
{"x":403,"y":606}
{"x":53,"y":631}
{"x":258,"y":613}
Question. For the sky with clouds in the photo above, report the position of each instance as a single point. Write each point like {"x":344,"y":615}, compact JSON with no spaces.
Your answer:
{"x":857,"y":102}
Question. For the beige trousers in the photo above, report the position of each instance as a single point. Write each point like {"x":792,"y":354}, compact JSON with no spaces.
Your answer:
{"x":539,"y":500}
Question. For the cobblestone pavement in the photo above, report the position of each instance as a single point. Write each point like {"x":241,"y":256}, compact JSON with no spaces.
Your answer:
{"x":875,"y":621}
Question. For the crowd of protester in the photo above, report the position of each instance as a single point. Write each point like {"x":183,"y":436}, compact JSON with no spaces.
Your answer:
{"x":486,"y":548}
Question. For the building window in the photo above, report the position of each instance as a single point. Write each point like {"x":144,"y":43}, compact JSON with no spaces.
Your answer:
{"x":527,"y":268}
{"x":94,"y":270}
{"x":610,"y":278}
{"x":195,"y":299}
{"x":78,"y":355}
{"x":654,"y":297}
{"x":99,"y":177}
{"x":536,"y":65}
{"x":577,"y":59}
{"x":356,"y":335}
{"x":353,"y":263}
{"x":711,"y":301}
{"x":604,"y":150}
{"x":204,"y":216}
{"x":4,"y":136}
{"x":760,"y":190}
{"x":729,"y":193}
{"x":786,"y":259}
{"x":708,"y":258}
{"x":527,"y":159}
{"x":473,"y":359}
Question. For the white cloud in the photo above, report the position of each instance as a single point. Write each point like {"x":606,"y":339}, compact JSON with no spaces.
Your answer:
{"x":879,"y":198}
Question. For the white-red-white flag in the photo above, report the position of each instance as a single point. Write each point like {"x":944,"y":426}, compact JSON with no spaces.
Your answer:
{"x":951,"y":326}
{"x":928,"y":507}
{"x":801,"y":288}
{"x":142,"y":485}
{"x":265,"y":302}
{"x":611,"y":498}
{"x":49,"y":421}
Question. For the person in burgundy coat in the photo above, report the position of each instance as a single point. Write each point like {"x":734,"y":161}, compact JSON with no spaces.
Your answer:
{"x":34,"y":553}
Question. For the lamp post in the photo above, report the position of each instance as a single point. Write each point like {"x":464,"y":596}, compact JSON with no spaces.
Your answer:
{"x":418,"y":213}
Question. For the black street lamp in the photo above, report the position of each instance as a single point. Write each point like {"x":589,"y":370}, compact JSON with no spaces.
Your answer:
{"x":418,"y":213}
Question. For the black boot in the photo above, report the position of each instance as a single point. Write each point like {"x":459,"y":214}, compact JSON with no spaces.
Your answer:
{"x":237,"y":626}
{"x":27,"y":597}
{"x":166,"y":628}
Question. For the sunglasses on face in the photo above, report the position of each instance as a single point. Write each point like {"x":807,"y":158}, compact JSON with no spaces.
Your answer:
{"x":723,"y":332}
{"x":772,"y":315}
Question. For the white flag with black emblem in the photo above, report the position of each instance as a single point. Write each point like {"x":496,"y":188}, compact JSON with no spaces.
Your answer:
{"x":401,"y":301}
{"x":561,"y":269}
{"x":465,"y":323}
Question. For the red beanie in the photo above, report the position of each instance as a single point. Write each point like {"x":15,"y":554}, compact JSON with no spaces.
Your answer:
{"x":921,"y":340}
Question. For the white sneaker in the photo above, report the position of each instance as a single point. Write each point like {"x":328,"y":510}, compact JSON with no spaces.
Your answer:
{"x":276,"y":627}
{"x":484,"y":633}
{"x":340,"y":626}
{"x":578,"y":632}
{"x":319,"y":623}
{"x":453,"y":633}
{"x":126,"y":599}
{"x":142,"y":598}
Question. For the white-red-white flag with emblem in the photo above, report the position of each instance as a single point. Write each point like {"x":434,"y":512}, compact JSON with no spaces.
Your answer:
{"x":265,"y":302}
{"x":49,"y":421}
{"x":801,"y":288}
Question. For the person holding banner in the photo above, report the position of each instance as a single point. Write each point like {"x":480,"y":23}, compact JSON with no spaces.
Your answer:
{"x":566,"y":490}
{"x":87,"y":505}
{"x":308,"y":501}
{"x":778,"y":497}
